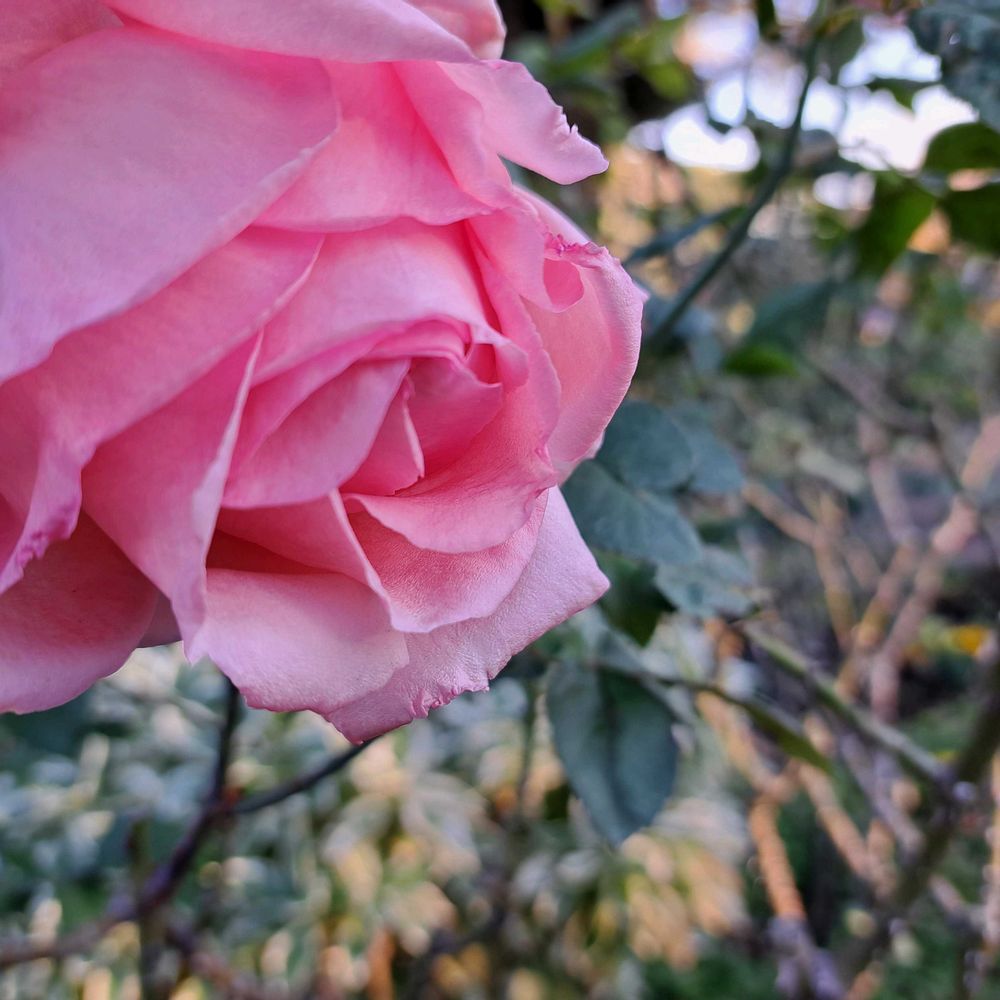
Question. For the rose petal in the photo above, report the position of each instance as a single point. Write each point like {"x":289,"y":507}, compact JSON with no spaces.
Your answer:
{"x":396,"y":459}
{"x":594,"y":344}
{"x":29,"y":30}
{"x":381,"y":165}
{"x":480,"y":501}
{"x":345,"y":30}
{"x":478,"y":22}
{"x":156,"y":489}
{"x":322,"y":443}
{"x":74,"y":618}
{"x":560,"y":579}
{"x":522,"y":122}
{"x":115,"y":134}
{"x":140,"y":360}
{"x":373,"y":283}
{"x":292,"y":642}
{"x":450,"y":406}
{"x":427,"y":590}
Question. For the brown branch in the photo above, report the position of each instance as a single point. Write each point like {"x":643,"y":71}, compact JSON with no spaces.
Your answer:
{"x":911,"y":756}
{"x":973,"y":760}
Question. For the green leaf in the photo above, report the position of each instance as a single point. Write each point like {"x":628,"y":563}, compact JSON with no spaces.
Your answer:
{"x":645,"y":448}
{"x":615,"y":742}
{"x":716,"y":585}
{"x":760,"y":361}
{"x":897,"y":211}
{"x":633,"y":604}
{"x":975,"y":216}
{"x":969,"y":146}
{"x":902,"y":90}
{"x":716,"y":470}
{"x":636,"y":524}
{"x":966,"y":35}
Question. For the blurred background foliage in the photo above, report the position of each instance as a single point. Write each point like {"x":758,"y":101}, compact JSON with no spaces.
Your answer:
{"x":762,"y":766}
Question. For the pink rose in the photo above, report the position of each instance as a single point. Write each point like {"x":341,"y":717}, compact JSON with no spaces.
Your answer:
{"x":288,"y":366}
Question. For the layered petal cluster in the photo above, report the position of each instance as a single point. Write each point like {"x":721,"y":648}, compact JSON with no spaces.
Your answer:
{"x":289,"y":368}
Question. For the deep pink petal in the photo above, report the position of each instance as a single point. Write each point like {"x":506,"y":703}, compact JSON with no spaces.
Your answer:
{"x":75,"y":617}
{"x":345,"y":30}
{"x":396,"y":459}
{"x":138,"y":360}
{"x":450,"y":406}
{"x":478,"y":22}
{"x":560,"y":579}
{"x":156,"y":489}
{"x":317,"y":536}
{"x":126,"y":156}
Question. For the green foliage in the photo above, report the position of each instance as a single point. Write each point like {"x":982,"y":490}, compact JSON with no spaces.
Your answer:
{"x":975,"y":216}
{"x":898,"y":209}
{"x":614,"y":739}
{"x":628,"y":522}
{"x":969,"y":146}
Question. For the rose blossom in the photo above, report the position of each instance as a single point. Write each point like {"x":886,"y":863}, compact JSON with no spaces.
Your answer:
{"x":288,"y":366}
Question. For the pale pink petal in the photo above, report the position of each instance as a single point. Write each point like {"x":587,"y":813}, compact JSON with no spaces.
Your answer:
{"x":427,"y":590}
{"x":29,"y":30}
{"x":560,"y":579}
{"x":450,"y":406}
{"x":156,"y":489}
{"x":396,"y":459}
{"x":345,"y":30}
{"x":529,"y":256}
{"x":316,"y":536}
{"x":594,"y":344}
{"x":291,"y":642}
{"x":478,"y":22}
{"x":372,"y":283}
{"x":522,"y":123}
{"x":74,"y":618}
{"x":322,"y":443}
{"x":381,"y":165}
{"x":146,"y":154}
{"x":480,"y":500}
{"x":139,"y":360}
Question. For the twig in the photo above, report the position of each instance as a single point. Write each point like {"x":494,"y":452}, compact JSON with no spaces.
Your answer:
{"x":913,"y":757}
{"x":160,"y":887}
{"x":767,"y":190}
{"x":262,"y":800}
{"x":972,"y":762}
